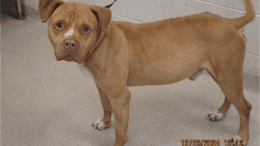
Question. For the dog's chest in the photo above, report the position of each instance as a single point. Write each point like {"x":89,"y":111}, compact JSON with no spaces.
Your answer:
{"x":84,"y":70}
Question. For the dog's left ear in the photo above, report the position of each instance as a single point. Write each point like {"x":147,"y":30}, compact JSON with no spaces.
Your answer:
{"x":103,"y":16}
{"x":47,"y":7}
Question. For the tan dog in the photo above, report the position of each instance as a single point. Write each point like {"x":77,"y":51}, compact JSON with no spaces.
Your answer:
{"x":121,"y":54}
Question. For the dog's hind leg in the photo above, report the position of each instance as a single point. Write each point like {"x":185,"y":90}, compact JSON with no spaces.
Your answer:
{"x":221,"y":112}
{"x":228,"y":72}
{"x":104,"y":123}
{"x":232,"y":87}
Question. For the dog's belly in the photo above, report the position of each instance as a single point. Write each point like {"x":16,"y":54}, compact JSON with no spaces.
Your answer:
{"x":166,"y":72}
{"x":159,"y":77}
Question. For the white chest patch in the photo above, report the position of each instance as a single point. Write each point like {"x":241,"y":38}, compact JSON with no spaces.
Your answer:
{"x":84,"y":70}
{"x":70,"y":32}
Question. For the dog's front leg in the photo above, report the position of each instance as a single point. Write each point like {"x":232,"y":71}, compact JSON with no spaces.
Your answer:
{"x":103,"y":123}
{"x":120,"y":102}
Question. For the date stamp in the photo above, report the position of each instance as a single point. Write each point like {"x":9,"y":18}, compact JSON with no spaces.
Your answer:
{"x":194,"y":142}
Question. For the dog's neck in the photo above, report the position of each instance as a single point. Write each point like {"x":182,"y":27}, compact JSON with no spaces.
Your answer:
{"x":95,"y":58}
{"x":100,"y":35}
{"x":84,"y":67}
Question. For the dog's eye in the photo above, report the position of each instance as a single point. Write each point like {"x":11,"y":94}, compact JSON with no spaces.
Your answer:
{"x":85,"y":30}
{"x":59,"y":26}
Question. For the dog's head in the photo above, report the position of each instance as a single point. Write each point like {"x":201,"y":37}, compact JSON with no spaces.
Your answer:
{"x":74,"y":29}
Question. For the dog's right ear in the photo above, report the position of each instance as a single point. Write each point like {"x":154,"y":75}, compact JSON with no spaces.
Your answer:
{"x":47,"y":7}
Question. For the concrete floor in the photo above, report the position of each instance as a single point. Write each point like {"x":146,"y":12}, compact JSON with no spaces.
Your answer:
{"x":50,"y":103}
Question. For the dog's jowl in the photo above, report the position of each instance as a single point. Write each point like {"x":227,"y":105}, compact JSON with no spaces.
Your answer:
{"x":121,"y":54}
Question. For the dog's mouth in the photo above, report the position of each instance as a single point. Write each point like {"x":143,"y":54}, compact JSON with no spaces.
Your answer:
{"x":69,"y":57}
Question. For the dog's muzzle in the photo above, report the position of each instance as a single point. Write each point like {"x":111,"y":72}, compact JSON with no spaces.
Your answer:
{"x":69,"y":51}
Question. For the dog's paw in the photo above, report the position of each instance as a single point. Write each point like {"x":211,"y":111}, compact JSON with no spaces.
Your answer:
{"x":215,"y":116}
{"x":236,"y":141}
{"x":100,"y":125}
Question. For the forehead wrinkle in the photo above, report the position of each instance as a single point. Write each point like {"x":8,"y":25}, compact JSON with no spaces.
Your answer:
{"x":70,"y":11}
{"x":85,"y":16}
{"x":70,"y":6}
{"x":64,"y":13}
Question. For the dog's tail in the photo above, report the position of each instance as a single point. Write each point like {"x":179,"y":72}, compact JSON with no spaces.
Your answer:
{"x":248,"y":17}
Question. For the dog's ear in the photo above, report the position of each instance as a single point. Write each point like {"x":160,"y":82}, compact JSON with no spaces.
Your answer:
{"x":47,"y":7}
{"x":103,"y":16}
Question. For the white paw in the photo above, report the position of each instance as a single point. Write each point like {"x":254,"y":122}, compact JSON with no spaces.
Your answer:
{"x":215,"y":116}
{"x":236,"y":141}
{"x":100,"y":125}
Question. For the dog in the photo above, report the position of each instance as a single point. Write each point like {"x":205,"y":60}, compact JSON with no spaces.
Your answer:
{"x":121,"y":54}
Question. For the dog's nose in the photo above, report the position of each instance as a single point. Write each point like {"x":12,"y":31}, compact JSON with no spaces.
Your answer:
{"x":70,"y":44}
